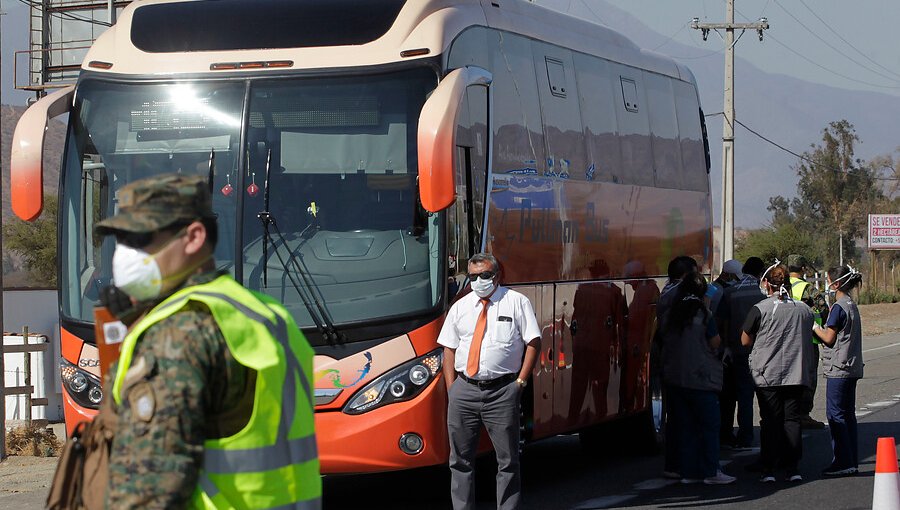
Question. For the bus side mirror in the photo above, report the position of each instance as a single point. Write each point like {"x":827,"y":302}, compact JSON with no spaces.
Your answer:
{"x":26,"y":177}
{"x":437,"y":136}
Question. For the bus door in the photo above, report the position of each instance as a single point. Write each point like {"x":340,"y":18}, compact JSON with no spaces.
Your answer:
{"x":468,"y":216}
{"x":537,"y":404}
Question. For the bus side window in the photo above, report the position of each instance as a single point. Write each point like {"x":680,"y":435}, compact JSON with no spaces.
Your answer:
{"x":634,"y":126}
{"x":664,"y":131}
{"x":604,"y":160}
{"x":690,"y":134}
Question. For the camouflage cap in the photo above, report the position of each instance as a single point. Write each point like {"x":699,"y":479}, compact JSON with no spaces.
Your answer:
{"x":152,"y":204}
{"x":795,"y":260}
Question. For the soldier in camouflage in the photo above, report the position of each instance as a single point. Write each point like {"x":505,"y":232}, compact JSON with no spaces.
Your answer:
{"x":183,"y":386}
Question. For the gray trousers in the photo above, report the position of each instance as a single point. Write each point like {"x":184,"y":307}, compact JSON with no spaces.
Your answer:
{"x":498,"y":410}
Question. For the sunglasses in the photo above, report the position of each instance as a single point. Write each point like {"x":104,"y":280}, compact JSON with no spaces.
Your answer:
{"x":140,"y":240}
{"x":135,"y":240}
{"x":485,"y":275}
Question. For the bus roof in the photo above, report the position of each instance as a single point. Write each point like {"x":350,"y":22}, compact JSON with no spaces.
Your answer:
{"x":411,"y":27}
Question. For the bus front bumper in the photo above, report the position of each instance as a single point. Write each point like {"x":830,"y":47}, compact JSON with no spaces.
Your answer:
{"x":370,"y":442}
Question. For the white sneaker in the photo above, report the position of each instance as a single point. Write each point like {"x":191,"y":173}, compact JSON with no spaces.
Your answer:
{"x":720,"y":479}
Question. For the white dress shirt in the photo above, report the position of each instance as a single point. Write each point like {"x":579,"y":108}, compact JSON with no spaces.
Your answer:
{"x":511,"y":324}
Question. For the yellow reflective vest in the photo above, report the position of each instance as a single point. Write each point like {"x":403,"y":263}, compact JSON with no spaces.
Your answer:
{"x":798,"y":287}
{"x":273,"y":462}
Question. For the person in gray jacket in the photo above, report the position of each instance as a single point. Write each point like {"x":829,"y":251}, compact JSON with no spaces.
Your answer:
{"x":693,"y":373}
{"x":779,"y":330}
{"x":842,"y":363}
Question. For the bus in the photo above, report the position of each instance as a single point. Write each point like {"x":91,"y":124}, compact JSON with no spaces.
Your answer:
{"x":359,"y":152}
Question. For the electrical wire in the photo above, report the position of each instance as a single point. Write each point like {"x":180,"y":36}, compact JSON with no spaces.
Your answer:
{"x":789,"y":151}
{"x":820,"y":66}
{"x":838,"y":51}
{"x":584,"y":2}
{"x":848,"y":43}
{"x":670,"y":37}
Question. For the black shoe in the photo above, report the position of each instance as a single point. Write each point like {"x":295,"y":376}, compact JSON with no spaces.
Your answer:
{"x":808,"y":422}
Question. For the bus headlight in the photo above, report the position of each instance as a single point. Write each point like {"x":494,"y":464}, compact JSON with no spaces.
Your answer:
{"x":398,"y":385}
{"x":82,"y":386}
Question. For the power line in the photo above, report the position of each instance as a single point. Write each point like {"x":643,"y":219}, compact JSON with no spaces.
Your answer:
{"x":800,"y":156}
{"x":584,"y":2}
{"x":817,"y":36}
{"x":848,"y":43}
{"x":671,"y":37}
{"x":820,"y":66}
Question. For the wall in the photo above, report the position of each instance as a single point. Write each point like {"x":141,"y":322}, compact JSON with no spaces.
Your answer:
{"x":39,"y":310}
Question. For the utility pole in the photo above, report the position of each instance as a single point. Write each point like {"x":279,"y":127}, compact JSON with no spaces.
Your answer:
{"x":727,"y":236}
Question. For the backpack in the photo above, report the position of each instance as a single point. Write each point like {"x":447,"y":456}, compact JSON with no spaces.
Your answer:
{"x":82,"y":473}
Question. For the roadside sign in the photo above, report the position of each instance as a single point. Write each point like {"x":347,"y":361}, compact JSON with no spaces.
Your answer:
{"x":884,"y":231}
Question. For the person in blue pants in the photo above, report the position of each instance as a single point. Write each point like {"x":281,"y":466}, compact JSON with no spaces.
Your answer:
{"x":842,"y":364}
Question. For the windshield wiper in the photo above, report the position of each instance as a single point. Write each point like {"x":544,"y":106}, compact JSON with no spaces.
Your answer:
{"x":306,"y":288}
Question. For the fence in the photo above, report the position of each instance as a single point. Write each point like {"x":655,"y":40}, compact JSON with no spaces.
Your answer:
{"x":27,"y":389}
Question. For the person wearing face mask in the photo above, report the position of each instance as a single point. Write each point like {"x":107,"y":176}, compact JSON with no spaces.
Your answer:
{"x":778,"y":330}
{"x":842,"y":360}
{"x":491,"y":340}
{"x":211,"y":391}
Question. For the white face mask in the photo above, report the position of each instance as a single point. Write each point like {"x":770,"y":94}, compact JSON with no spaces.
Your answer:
{"x":136,"y":273}
{"x":482,"y":287}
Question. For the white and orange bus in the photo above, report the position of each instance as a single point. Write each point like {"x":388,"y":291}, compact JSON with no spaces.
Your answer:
{"x":359,"y":152}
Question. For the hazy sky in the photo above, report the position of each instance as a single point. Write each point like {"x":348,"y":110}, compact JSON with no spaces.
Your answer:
{"x":846,"y":44}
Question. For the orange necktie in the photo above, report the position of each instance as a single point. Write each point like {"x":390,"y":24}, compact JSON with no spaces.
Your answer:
{"x":477,"y":337}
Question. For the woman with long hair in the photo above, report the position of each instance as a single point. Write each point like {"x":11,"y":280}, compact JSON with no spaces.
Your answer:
{"x":779,"y":330}
{"x":842,"y":364}
{"x":692,"y":371}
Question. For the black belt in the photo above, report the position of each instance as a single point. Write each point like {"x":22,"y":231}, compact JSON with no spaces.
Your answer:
{"x":490,"y":383}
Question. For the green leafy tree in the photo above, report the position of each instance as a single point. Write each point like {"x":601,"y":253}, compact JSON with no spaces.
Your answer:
{"x":35,"y":242}
{"x":835,"y":193}
{"x":783,"y":239}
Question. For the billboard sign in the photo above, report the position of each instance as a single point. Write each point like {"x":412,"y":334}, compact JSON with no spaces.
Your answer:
{"x":884,"y":231}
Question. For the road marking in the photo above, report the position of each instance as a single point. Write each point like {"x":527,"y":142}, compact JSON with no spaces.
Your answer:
{"x":860,"y":414}
{"x":604,"y":502}
{"x":882,"y":404}
{"x":882,"y":347}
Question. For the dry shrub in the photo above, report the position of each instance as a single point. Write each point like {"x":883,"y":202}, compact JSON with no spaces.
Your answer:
{"x":32,"y":441}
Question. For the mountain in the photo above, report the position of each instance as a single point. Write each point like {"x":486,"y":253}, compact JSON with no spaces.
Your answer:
{"x":788,"y":111}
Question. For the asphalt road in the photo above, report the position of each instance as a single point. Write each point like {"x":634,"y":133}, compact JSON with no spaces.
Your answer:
{"x":559,"y":474}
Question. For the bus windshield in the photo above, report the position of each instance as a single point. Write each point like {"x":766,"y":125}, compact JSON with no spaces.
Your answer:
{"x":346,"y":238}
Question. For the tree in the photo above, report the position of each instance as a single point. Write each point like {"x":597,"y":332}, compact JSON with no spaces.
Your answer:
{"x":778,"y":242}
{"x":836,"y":192}
{"x":36,"y":243}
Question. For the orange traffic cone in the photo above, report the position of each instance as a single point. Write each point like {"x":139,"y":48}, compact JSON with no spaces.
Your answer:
{"x":886,"y":495}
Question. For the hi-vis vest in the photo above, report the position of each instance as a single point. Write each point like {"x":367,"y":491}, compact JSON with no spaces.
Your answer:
{"x":273,"y":461}
{"x":798,"y":287}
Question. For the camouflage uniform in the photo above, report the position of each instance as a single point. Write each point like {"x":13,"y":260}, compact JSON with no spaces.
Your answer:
{"x":184,"y":386}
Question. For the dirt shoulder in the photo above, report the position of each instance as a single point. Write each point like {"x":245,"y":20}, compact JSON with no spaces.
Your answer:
{"x":880,"y":319}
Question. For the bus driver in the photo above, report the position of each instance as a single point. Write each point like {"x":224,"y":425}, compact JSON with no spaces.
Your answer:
{"x":490,"y":328}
